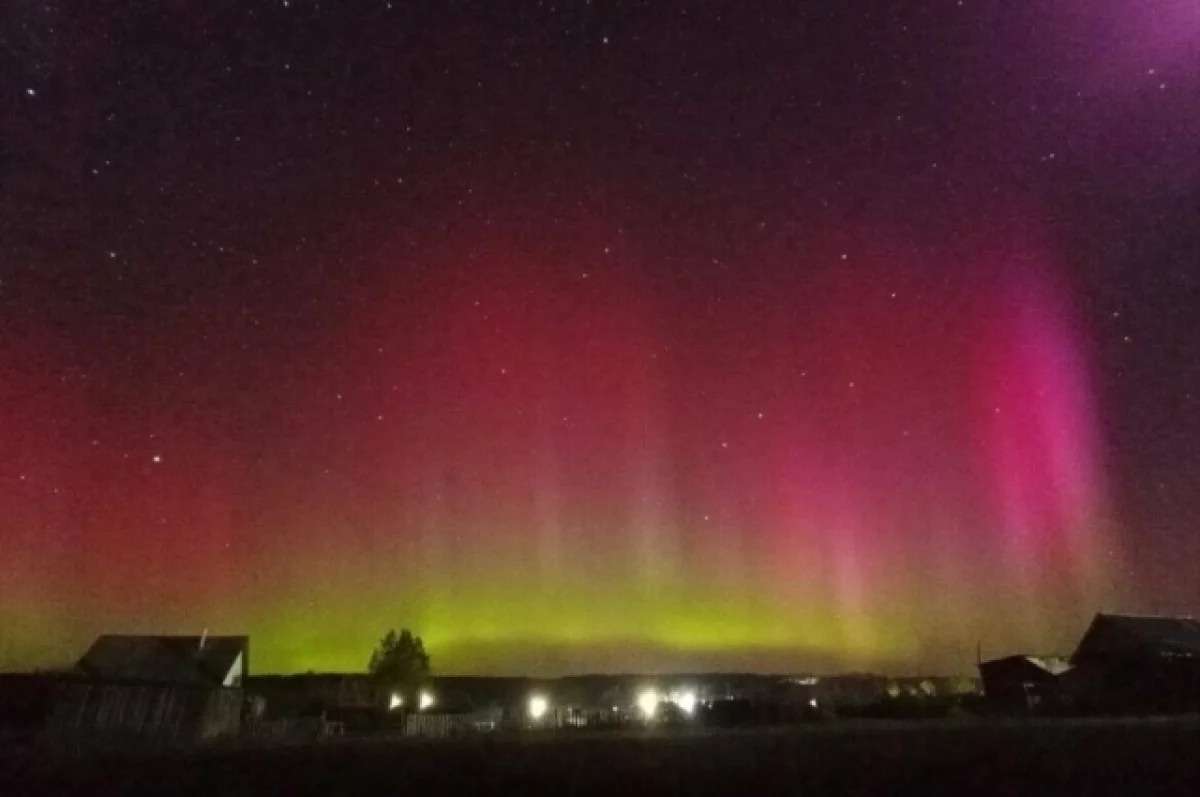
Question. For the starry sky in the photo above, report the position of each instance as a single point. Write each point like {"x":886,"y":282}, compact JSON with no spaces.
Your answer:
{"x":598,"y":336}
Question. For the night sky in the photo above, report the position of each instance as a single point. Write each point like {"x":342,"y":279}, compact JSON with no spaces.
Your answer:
{"x":590,"y":336}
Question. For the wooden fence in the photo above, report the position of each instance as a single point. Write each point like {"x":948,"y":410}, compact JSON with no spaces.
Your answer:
{"x":170,"y":714}
{"x":440,"y":726}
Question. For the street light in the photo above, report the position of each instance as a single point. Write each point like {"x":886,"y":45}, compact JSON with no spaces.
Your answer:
{"x":647,"y":701}
{"x":538,"y":705}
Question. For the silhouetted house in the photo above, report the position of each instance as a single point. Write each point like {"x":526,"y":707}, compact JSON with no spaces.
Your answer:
{"x":164,"y":688}
{"x":319,"y":704}
{"x":1137,"y":664}
{"x":852,"y":691}
{"x":933,"y":686}
{"x":1023,"y":683}
{"x":315,"y":704}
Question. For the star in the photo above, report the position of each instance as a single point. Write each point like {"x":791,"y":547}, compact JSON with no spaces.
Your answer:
{"x":156,"y":459}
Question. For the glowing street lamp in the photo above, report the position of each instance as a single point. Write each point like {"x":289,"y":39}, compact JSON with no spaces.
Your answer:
{"x":425,"y":700}
{"x":395,"y":702}
{"x":686,"y":702}
{"x":647,"y":702}
{"x":538,"y":706}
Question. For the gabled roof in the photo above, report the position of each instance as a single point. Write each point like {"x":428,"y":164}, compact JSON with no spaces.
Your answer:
{"x":190,"y":660}
{"x":1120,"y":635}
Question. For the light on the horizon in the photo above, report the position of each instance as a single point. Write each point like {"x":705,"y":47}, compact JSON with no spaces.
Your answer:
{"x":647,"y":702}
{"x":425,"y":700}
{"x":538,"y":705}
{"x":686,"y":702}
{"x":395,"y":702}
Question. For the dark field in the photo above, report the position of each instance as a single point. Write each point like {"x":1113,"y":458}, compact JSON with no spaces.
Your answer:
{"x":1145,"y":756}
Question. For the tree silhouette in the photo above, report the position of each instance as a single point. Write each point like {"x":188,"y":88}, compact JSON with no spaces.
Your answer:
{"x":400,"y":661}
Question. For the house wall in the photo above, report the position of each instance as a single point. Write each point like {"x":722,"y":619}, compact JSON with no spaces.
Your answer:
{"x":1016,"y":684}
{"x":1138,"y":686}
{"x":171,"y":714}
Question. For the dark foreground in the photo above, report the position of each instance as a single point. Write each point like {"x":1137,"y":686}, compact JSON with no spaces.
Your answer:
{"x":1146,"y":756}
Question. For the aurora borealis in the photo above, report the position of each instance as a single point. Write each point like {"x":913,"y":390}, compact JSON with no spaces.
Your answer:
{"x":598,"y":336}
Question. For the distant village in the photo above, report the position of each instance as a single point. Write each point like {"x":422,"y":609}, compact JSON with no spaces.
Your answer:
{"x":190,"y":689}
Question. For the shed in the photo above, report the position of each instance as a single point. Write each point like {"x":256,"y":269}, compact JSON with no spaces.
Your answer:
{"x":1023,"y":682}
{"x":168,"y":689}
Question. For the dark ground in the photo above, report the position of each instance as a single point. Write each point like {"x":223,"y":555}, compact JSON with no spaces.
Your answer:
{"x":1143,"y":756}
